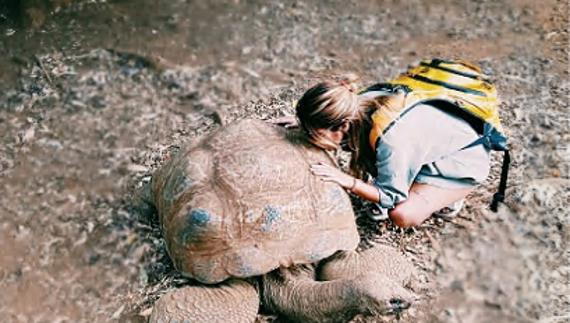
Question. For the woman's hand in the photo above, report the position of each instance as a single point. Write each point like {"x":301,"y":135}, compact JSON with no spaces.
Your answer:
{"x":332,"y":174}
{"x":355,"y":186}
{"x":287,"y":122}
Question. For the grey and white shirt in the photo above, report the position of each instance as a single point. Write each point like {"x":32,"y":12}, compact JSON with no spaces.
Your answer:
{"x":425,"y":146}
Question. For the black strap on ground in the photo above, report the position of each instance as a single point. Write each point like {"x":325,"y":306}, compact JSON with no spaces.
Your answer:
{"x":499,"y":197}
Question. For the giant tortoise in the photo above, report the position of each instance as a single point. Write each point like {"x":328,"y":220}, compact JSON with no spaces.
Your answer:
{"x":243,"y":216}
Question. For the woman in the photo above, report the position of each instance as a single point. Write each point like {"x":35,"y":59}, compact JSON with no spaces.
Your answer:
{"x":421,"y":164}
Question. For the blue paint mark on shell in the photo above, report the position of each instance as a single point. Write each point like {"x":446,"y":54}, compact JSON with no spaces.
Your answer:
{"x":245,"y":271}
{"x":317,"y":251}
{"x":198,"y":217}
{"x":242,"y":268}
{"x":335,"y":193}
{"x":196,"y":223}
{"x":249,"y":216}
{"x":271,"y":214}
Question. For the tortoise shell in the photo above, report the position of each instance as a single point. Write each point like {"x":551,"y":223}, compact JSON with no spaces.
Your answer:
{"x":242,"y":202}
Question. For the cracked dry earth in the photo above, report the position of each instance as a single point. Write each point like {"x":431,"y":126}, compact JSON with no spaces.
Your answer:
{"x":98,"y":97}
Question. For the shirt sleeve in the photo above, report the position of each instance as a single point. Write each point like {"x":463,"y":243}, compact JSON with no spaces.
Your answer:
{"x":397,"y":166}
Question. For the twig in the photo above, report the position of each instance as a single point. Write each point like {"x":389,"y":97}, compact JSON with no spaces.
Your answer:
{"x":46,"y":73}
{"x":517,"y":78}
{"x":434,"y":243}
{"x":554,"y":319}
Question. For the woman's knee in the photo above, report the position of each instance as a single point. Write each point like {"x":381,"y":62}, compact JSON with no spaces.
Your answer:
{"x":404,"y":216}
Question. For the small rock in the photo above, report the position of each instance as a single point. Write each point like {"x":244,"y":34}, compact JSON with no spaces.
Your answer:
{"x":118,"y":313}
{"x":134,"y":168}
{"x":50,"y":143}
{"x":146,"y":312}
{"x":27,"y":135}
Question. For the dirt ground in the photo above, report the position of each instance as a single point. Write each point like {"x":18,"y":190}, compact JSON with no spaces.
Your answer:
{"x":94,"y":100}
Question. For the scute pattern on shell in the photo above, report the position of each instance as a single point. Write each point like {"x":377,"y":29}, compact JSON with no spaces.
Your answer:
{"x":242,"y":202}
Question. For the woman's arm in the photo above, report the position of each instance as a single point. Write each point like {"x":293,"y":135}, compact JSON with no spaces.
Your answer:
{"x":365,"y":190}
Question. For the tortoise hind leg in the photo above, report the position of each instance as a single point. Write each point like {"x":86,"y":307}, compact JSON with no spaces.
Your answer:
{"x":233,"y":301}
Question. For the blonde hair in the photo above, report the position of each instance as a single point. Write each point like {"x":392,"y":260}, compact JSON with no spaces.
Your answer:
{"x":328,"y":105}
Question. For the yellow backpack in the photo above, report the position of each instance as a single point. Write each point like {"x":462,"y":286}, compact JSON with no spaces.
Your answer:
{"x":457,"y":87}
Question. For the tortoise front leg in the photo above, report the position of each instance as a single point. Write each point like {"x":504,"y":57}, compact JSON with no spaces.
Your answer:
{"x":380,"y":259}
{"x":233,"y":301}
{"x":294,"y":293}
